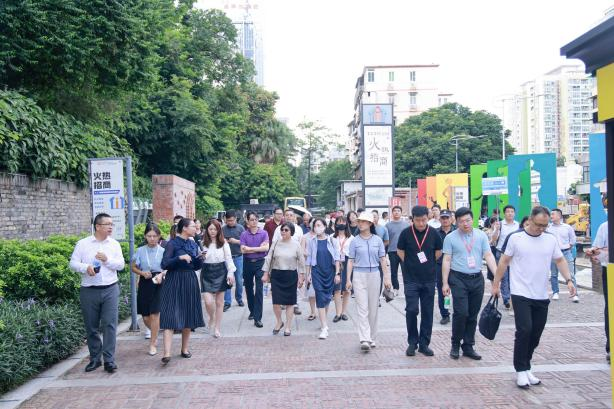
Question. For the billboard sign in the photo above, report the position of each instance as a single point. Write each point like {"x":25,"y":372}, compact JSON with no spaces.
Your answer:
{"x":108,"y":195}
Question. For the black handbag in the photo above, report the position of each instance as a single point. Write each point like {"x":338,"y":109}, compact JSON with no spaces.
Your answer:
{"x":490,"y":317}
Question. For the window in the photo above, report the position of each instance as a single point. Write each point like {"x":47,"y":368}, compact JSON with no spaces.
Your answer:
{"x":370,"y":76}
{"x":391,"y":98}
{"x":412,"y":76}
{"x":413,"y":99}
{"x":391,"y":76}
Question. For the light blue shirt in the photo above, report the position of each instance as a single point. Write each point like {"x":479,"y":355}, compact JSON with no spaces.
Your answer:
{"x":382,"y":232}
{"x":601,"y":239}
{"x":312,"y":250}
{"x":366,"y":254}
{"x":149,"y":258}
{"x":456,"y":243}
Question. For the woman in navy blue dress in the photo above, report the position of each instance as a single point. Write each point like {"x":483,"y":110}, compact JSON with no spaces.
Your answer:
{"x":323,"y":270}
{"x":180,"y":306}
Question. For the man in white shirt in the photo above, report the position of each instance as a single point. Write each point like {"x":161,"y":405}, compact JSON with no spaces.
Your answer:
{"x":509,"y":225}
{"x":434,"y":222}
{"x":289,"y":216}
{"x":566,"y":237}
{"x":98,"y":258}
{"x":529,"y":253}
{"x":599,"y":254}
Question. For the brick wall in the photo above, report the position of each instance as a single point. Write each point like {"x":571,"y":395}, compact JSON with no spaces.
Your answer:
{"x":37,"y":208}
{"x":173,"y":195}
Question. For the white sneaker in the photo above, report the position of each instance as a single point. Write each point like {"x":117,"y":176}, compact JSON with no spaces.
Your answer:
{"x":555,"y":296}
{"x":372,"y":344}
{"x":575,"y":299}
{"x":147,"y":333}
{"x":533,"y":380}
{"x":364,"y":346}
{"x":323,"y":333}
{"x":522,"y":381}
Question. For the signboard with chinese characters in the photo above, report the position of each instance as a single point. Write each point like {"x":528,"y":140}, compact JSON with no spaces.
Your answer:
{"x":107,"y":184}
{"x":378,"y":155}
{"x":494,"y":186}
{"x":377,"y":122}
{"x":461,"y":197}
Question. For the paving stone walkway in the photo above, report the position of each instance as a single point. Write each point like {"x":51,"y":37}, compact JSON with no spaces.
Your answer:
{"x":250,"y":368}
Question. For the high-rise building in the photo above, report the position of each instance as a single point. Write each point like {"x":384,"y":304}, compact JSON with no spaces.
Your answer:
{"x":412,"y":89}
{"x":553,"y":113}
{"x":244,"y":16}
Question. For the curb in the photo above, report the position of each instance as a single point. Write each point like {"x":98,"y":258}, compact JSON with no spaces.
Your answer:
{"x":16,"y":397}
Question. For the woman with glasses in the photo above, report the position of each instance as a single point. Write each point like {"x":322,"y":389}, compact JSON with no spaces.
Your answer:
{"x":284,"y":267}
{"x":180,"y":305}
{"x":342,"y":238}
{"x":323,"y":270}
{"x":146,"y":264}
{"x":217,"y":274}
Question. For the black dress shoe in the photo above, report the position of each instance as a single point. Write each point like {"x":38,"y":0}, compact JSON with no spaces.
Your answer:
{"x":166,"y":360}
{"x":251,"y":317}
{"x":110,"y":367}
{"x":425,"y":350}
{"x":93,"y":365}
{"x":445,"y":320}
{"x":258,"y":323}
{"x":186,"y":354}
{"x":411,"y":350}
{"x":226,"y":307}
{"x":240,"y":303}
{"x":297,"y":311}
{"x":470,"y":353}
{"x":337,"y":318}
{"x":454,"y":352}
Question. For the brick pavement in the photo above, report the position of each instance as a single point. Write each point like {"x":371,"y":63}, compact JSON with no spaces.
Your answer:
{"x":249,"y":368}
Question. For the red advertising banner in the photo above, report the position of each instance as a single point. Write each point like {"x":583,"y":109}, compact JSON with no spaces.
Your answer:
{"x":422,"y":192}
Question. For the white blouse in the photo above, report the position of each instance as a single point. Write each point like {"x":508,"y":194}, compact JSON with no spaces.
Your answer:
{"x":344,"y":245}
{"x":220,"y":255}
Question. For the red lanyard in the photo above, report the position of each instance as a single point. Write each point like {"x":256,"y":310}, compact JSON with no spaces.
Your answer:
{"x":423,"y":238}
{"x":469,"y":247}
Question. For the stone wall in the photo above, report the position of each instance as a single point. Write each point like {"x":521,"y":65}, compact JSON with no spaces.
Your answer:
{"x":37,"y":208}
{"x":172,"y":196}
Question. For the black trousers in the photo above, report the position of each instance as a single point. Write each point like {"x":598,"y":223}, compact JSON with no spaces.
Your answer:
{"x":395,"y":262}
{"x":604,"y":281}
{"x":252,"y":281}
{"x":530,"y":317}
{"x":467,"y":294}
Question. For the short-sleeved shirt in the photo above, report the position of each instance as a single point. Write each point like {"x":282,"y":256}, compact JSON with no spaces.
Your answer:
{"x":394,"y":231}
{"x":415,"y":270}
{"x":601,"y":241}
{"x":505,"y":230}
{"x":366,"y":254}
{"x":456,"y":243}
{"x":530,"y":265}
{"x":233,"y":232}
{"x":382,"y":232}
{"x":149,"y":258}
{"x":257,"y":239}
{"x":270,"y":227}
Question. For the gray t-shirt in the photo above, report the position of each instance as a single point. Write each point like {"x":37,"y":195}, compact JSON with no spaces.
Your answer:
{"x":233,"y":232}
{"x":394,"y":231}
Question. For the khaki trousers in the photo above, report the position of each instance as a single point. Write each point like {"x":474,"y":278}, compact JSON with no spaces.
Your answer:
{"x":367,"y":291}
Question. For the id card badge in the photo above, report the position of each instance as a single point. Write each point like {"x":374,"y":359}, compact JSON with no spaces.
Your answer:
{"x":471,"y":261}
{"x":422,"y":257}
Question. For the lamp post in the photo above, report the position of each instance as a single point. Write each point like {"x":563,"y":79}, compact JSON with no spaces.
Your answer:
{"x":456,"y":138}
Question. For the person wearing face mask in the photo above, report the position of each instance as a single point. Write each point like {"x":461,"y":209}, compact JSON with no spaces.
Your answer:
{"x":342,"y":238}
{"x":323,"y":270}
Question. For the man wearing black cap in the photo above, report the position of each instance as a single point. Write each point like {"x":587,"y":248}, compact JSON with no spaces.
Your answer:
{"x":446,"y":228}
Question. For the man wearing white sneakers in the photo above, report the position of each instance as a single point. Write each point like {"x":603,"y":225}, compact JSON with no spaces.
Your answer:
{"x":529,"y":253}
{"x":566,"y":237}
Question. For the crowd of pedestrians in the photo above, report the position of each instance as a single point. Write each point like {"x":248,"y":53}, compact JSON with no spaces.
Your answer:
{"x":437,"y":251}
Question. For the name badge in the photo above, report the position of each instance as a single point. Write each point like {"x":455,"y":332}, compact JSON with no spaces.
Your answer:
{"x":422,"y":257}
{"x":471,"y":261}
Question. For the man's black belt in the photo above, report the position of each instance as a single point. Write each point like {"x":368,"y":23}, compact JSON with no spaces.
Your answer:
{"x":254,"y":260}
{"x":100,"y":287}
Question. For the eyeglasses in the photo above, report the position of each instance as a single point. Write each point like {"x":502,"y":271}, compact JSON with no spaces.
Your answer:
{"x":252,"y":220}
{"x":541,"y":226}
{"x":465,"y":221}
{"x":285,"y":230}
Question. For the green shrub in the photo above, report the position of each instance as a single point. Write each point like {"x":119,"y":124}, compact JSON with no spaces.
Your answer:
{"x":34,"y":336}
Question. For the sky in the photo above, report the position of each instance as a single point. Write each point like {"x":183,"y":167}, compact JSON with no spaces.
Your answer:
{"x":315,"y":50}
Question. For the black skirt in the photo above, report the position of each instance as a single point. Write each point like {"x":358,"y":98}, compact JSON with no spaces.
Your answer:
{"x":283,"y":286}
{"x":148,"y":297}
{"x":180,"y":303}
{"x":213,"y":278}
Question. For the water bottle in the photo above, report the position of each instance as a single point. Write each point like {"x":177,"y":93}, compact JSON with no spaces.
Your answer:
{"x":96,"y":265}
{"x":446,"y":302}
{"x":266,"y":290}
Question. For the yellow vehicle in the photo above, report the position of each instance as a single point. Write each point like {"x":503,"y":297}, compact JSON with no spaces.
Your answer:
{"x":295,"y":201}
{"x":579,"y":221}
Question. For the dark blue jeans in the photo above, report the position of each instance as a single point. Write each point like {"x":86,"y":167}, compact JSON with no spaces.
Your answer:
{"x":252,"y":280}
{"x":238,"y":282}
{"x":419,"y":298}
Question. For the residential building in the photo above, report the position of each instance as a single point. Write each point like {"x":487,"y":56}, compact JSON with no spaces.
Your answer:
{"x":553,"y":113}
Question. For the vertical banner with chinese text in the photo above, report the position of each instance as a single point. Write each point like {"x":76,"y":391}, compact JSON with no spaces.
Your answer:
{"x":108,"y":196}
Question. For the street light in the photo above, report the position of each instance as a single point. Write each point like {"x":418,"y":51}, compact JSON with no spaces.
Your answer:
{"x":462,"y":137}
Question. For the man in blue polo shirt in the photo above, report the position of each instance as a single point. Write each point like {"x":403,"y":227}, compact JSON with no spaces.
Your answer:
{"x":464,"y":249}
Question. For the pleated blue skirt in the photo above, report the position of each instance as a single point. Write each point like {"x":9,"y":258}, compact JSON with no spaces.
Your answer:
{"x":180,"y":305}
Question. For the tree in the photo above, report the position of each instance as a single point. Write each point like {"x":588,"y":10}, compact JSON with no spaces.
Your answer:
{"x":314,"y":141}
{"x":422,"y":143}
{"x":331,"y":173}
